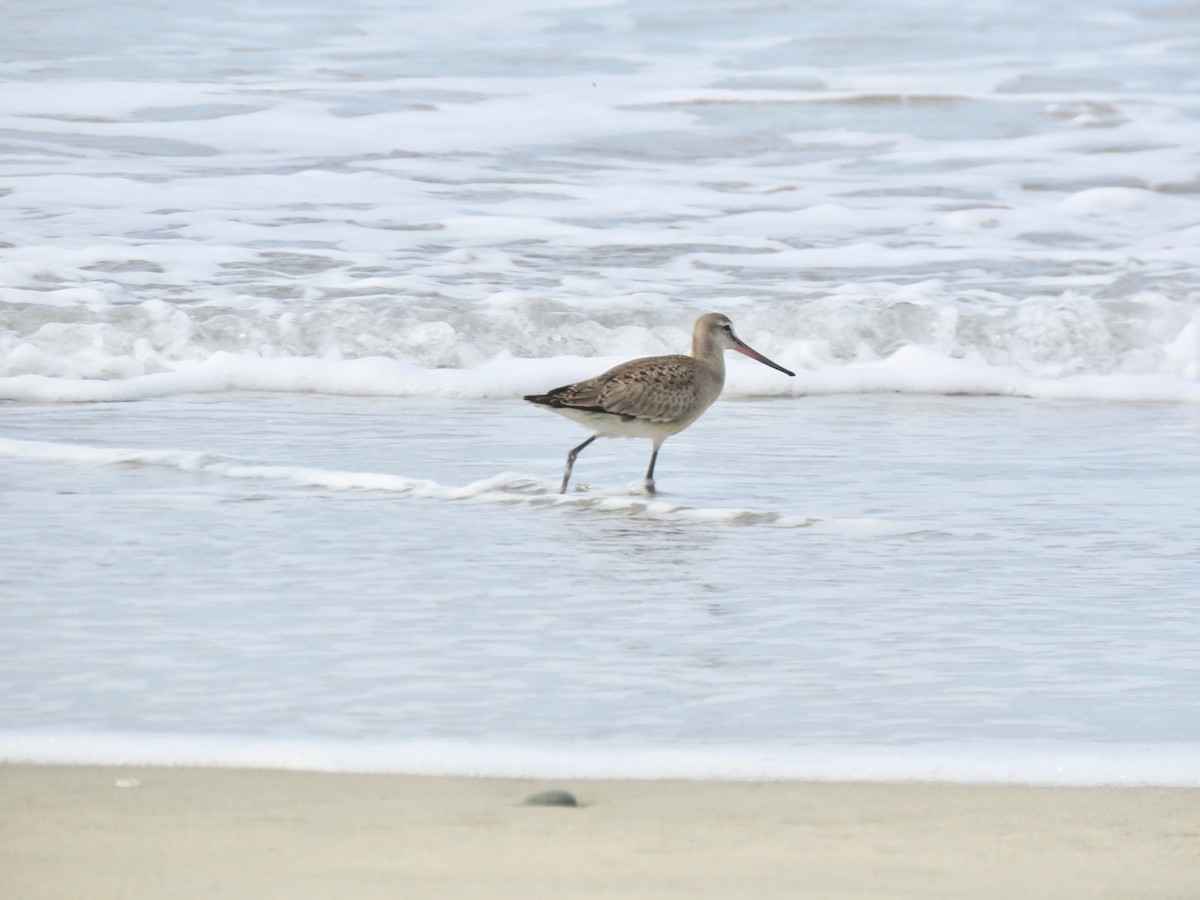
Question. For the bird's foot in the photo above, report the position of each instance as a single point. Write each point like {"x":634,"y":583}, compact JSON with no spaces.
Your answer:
{"x":649,"y":487}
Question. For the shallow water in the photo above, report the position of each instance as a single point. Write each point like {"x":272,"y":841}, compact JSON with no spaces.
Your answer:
{"x":832,"y":572}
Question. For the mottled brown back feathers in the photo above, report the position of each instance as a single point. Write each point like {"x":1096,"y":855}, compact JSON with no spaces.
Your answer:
{"x":654,"y":388}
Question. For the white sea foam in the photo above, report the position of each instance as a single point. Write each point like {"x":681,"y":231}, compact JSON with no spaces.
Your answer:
{"x":912,"y":370}
{"x":1005,"y":762}
{"x":504,"y":487}
{"x":350,"y":197}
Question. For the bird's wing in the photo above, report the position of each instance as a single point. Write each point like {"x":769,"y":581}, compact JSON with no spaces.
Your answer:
{"x":658,"y":389}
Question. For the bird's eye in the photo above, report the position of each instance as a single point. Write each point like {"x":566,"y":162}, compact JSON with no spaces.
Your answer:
{"x":728,"y":327}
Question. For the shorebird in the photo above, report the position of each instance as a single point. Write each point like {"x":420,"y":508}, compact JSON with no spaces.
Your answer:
{"x":653,"y":397}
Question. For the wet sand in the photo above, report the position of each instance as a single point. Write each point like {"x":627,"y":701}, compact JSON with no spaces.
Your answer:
{"x":131,"y":833}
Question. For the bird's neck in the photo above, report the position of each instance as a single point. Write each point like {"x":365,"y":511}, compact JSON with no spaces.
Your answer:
{"x":709,"y":353}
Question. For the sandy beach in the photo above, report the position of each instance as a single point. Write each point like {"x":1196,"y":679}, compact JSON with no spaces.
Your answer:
{"x":102,"y":832}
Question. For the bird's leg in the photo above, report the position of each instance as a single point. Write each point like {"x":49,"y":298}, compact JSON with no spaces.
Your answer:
{"x":650,"y":471}
{"x":571,"y":463}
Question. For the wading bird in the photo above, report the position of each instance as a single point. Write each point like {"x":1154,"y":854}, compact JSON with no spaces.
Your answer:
{"x":653,"y":397}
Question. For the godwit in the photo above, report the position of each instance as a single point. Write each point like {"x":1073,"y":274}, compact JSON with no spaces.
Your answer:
{"x":653,"y":397}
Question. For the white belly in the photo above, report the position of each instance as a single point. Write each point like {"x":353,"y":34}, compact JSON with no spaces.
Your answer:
{"x":607,"y":425}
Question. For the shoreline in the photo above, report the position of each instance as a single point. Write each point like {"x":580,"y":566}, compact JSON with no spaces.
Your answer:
{"x":136,"y":832}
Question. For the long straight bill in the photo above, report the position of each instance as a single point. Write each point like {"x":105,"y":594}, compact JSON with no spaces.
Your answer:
{"x":747,"y":350}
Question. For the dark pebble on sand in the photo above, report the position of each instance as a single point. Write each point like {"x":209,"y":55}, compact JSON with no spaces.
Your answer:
{"x":551,"y":798}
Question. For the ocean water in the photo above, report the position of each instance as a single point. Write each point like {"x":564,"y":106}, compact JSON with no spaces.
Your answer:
{"x":274,"y":276}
